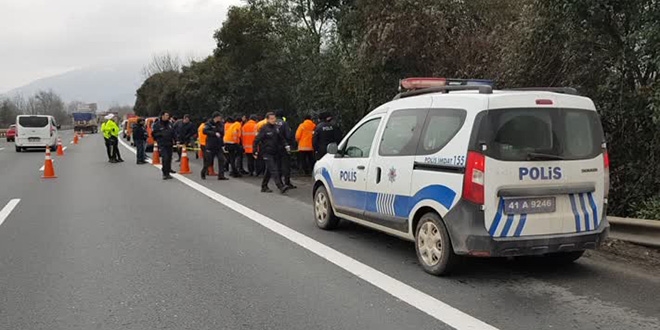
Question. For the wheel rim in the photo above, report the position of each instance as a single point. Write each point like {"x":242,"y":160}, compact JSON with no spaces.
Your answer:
{"x":321,"y":207}
{"x":429,"y":243}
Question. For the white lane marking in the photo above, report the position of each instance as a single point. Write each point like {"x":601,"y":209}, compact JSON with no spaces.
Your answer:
{"x":1,"y":149}
{"x":64,"y":148}
{"x":4,"y":213}
{"x":416,"y":298}
{"x":71,"y":142}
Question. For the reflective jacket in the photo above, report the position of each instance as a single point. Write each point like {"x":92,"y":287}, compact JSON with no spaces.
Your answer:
{"x":201,"y":135}
{"x":249,"y":133}
{"x":110,"y":129}
{"x":304,"y":135}
{"x":233,"y":133}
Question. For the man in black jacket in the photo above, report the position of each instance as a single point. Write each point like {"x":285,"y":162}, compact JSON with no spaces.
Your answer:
{"x":284,"y":158}
{"x":185,"y":132}
{"x":163,"y":132}
{"x":215,"y":131}
{"x":140,"y":139}
{"x":325,"y":133}
{"x":270,"y":142}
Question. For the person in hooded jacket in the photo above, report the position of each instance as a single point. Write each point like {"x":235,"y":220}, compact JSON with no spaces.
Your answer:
{"x":214,"y":130}
{"x":163,"y":131}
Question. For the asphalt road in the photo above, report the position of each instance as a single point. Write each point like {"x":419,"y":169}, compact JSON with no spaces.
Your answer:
{"x":112,"y":246}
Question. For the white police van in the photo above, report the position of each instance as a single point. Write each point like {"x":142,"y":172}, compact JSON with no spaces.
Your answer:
{"x":471,"y":171}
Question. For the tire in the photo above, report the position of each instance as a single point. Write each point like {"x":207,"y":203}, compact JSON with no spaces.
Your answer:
{"x":324,"y":215}
{"x":18,"y":149}
{"x":434,"y":250}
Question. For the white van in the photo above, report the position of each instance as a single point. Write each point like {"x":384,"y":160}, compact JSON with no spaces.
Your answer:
{"x":36,"y":131}
{"x":469,"y":171}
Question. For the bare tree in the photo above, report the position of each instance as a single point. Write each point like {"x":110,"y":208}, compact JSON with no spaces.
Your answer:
{"x":162,"y":63}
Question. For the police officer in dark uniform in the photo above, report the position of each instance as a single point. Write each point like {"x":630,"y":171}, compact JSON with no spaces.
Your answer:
{"x":284,"y":158}
{"x":325,"y":133}
{"x":270,"y":142}
{"x":215,"y":131}
{"x":163,"y":132}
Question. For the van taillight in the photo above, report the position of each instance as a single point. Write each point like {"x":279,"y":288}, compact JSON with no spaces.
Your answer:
{"x":606,"y":160}
{"x":473,"y":183}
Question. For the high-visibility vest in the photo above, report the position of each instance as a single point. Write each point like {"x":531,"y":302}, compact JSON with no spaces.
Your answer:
{"x":249,"y":133}
{"x":200,"y":134}
{"x":233,"y":133}
{"x":261,"y":124}
{"x":304,"y":135}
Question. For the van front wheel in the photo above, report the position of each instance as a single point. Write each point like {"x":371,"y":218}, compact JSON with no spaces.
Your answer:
{"x":433,"y":246}
{"x":323,"y":213}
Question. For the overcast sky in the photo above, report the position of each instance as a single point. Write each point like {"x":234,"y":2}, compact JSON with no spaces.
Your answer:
{"x":40,"y":38}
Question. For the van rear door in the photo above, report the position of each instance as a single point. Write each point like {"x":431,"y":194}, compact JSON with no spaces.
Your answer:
{"x":544,"y":170}
{"x":33,"y":129}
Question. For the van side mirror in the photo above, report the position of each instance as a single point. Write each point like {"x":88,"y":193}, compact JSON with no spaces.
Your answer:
{"x":332,"y":148}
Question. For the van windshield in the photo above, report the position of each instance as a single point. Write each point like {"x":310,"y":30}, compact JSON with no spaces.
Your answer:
{"x":33,"y":121}
{"x":529,"y":134}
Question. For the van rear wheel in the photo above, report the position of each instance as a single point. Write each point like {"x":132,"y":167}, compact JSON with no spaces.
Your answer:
{"x":323,"y":213}
{"x":434,"y":250}
{"x":18,"y":149}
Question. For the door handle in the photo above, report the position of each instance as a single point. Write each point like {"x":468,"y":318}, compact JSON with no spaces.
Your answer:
{"x":378,"y":172}
{"x":361,"y":167}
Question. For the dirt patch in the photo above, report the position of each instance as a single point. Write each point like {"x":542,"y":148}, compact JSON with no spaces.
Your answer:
{"x":621,"y":251}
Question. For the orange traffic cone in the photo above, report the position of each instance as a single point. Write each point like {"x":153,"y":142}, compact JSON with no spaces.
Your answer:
{"x":49,"y":171}
{"x":60,"y":150}
{"x":155,"y":158}
{"x":185,"y":163}
{"x":75,"y":138}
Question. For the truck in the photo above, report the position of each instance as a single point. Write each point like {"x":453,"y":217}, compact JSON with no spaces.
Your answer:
{"x":86,"y":122}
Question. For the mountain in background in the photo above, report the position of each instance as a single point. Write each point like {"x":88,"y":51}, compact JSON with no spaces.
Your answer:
{"x":105,"y":85}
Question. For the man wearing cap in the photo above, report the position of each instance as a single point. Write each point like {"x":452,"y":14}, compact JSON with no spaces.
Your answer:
{"x":163,"y":132}
{"x":325,"y":133}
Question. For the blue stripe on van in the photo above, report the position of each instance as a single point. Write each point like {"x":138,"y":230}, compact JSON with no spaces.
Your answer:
{"x":498,"y":218}
{"x":521,"y":225}
{"x":587,"y":225}
{"x":595,"y":209}
{"x":578,"y":226}
{"x":507,"y":226}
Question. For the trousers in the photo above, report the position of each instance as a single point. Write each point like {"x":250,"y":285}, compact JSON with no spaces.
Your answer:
{"x":272,"y":171}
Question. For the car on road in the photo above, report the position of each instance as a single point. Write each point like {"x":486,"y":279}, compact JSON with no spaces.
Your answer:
{"x":36,"y":132}
{"x":465,"y":170}
{"x":11,"y":133}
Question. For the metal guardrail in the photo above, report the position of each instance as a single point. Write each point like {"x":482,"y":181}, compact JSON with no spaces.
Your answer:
{"x":638,"y":231}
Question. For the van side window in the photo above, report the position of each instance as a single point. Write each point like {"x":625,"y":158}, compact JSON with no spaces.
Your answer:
{"x":440,"y":127}
{"x":359,"y":143}
{"x":401,"y":135}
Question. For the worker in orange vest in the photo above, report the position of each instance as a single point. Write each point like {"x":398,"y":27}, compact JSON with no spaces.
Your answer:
{"x":232,"y":141}
{"x":304,"y":135}
{"x":201,"y":137}
{"x":249,"y":132}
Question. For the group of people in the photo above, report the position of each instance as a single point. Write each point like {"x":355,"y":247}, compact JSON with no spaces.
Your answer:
{"x":265,"y":143}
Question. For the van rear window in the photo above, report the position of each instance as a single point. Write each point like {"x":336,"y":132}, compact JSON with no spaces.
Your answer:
{"x":541,"y":134}
{"x":33,"y":121}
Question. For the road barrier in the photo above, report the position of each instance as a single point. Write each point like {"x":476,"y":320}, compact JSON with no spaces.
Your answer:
{"x":638,"y":231}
